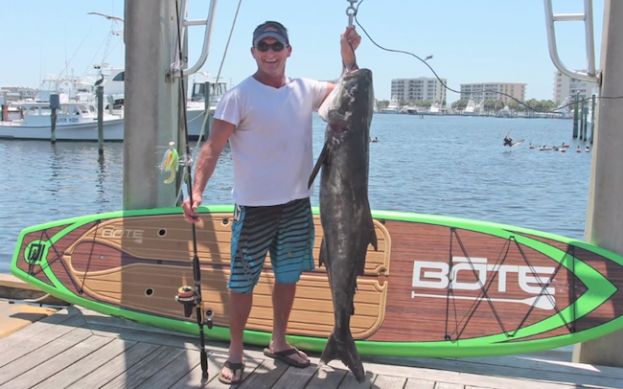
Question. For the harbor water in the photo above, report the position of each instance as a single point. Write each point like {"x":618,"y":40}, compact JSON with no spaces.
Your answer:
{"x":442,"y":165}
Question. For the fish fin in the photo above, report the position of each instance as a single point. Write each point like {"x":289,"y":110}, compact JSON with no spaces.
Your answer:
{"x":373,"y":240}
{"x":346,"y":351}
{"x":321,"y":160}
{"x":322,"y":257}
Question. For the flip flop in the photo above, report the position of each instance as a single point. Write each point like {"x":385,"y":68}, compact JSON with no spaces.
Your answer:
{"x":286,"y":356}
{"x":235,"y":368}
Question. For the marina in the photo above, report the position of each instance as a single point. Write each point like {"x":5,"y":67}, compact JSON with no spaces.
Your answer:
{"x":483,"y":229}
{"x":437,"y":165}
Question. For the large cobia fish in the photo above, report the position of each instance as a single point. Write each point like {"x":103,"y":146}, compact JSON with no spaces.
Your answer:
{"x":344,"y":208}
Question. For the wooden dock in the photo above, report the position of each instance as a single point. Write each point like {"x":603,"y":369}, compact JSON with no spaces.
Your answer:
{"x":78,"y":348}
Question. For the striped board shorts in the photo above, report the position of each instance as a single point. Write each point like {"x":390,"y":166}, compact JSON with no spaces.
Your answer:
{"x":286,"y":231}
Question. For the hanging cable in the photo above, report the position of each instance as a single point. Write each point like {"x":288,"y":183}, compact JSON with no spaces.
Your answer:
{"x":445,"y":85}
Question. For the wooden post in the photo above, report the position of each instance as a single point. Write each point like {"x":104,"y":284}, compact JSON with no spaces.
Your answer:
{"x":592,"y":119}
{"x":5,"y":109}
{"x":54,"y":105}
{"x":99,"y":95}
{"x":585,"y":119}
{"x":575,"y":115}
{"x":582,"y":119}
{"x":205,"y":131}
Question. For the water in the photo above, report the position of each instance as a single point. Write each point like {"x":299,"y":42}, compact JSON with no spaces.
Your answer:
{"x":436,"y":165}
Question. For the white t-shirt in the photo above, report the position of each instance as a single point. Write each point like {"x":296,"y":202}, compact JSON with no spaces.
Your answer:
{"x":272,"y":143}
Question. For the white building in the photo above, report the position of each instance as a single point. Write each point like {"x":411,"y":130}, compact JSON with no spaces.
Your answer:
{"x":421,"y":88}
{"x":502,"y":91}
{"x":565,"y":88}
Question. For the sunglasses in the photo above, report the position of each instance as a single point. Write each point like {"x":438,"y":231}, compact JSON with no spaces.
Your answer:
{"x":263,"y":46}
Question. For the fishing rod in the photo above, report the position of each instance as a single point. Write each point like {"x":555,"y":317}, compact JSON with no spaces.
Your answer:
{"x":190,"y":296}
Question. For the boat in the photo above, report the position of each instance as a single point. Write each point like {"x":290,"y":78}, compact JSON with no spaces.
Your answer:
{"x":196,"y":107}
{"x":393,"y":107}
{"x":77,"y":117}
{"x":75,"y":120}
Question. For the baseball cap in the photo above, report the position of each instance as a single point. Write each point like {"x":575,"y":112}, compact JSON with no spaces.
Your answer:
{"x":271,"y":29}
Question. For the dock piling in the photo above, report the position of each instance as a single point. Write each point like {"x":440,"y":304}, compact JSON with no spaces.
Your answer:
{"x":54,"y":105}
{"x":575,"y":115}
{"x":205,"y":131}
{"x":99,"y":95}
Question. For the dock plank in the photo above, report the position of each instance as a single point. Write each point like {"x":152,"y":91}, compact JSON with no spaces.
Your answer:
{"x":113,"y":352}
{"x":215,"y":361}
{"x":350,"y":382}
{"x":31,"y":360}
{"x":265,"y":375}
{"x":174,"y":371}
{"x":145,"y":368}
{"x":326,"y":377}
{"x":115,"y":367}
{"x":58,"y":363}
{"x":521,"y":368}
{"x":389,"y":382}
{"x":85,"y":365}
{"x":194,"y":378}
{"x":38,"y":334}
{"x":418,"y":383}
{"x":448,"y":385}
{"x":296,"y":377}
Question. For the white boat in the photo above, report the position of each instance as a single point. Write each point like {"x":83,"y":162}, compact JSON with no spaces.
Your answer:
{"x":77,"y":117}
{"x":393,"y":107}
{"x":74,"y":121}
{"x":196,"y":107}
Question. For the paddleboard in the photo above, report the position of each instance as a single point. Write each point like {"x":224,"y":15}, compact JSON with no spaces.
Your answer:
{"x":435,"y":286}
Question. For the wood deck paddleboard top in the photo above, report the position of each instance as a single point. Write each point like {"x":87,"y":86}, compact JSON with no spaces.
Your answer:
{"x":435,"y":286}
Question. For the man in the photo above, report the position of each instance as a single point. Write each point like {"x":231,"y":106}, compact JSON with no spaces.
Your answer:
{"x":267,"y":119}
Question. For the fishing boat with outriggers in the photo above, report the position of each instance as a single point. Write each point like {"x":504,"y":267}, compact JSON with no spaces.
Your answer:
{"x":75,"y":121}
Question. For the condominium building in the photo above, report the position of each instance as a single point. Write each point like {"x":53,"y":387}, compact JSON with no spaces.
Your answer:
{"x":502,"y":91}
{"x":413,"y":89}
{"x":566,"y":88}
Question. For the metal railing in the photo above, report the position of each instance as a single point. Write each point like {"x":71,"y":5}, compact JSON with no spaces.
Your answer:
{"x":587,"y":17}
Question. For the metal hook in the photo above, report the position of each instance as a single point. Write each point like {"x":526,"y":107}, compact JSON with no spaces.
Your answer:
{"x":351,"y":11}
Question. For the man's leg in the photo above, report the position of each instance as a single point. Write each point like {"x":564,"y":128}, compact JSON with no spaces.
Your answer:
{"x":283,"y":297}
{"x":239,"y":309}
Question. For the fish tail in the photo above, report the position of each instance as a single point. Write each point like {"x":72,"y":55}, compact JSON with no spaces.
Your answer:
{"x":346,"y":351}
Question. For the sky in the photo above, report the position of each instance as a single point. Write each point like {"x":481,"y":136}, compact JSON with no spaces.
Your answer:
{"x":470,"y":41}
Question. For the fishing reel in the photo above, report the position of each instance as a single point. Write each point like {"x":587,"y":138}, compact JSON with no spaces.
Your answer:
{"x":187,"y":296}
